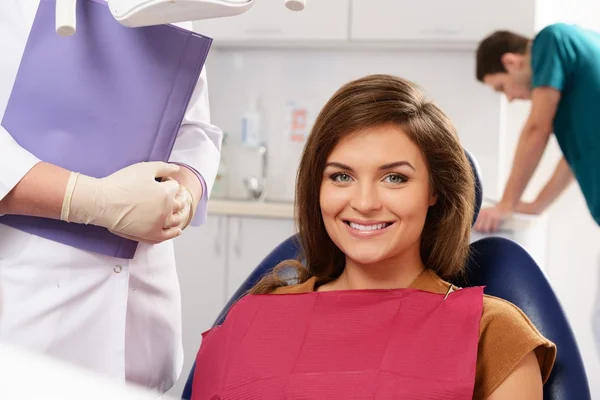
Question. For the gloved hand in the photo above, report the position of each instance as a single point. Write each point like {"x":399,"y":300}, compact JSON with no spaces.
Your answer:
{"x":183,"y":213}
{"x":181,"y":216}
{"x":130,"y":202}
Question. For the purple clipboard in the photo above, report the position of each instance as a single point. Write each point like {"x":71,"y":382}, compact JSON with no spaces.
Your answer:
{"x":105,"y":98}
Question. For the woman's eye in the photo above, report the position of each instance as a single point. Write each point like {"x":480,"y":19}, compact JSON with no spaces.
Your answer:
{"x":341,"y":177}
{"x":395,"y":179}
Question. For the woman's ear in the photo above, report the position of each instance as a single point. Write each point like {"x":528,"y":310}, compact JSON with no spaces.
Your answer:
{"x":433,"y":198}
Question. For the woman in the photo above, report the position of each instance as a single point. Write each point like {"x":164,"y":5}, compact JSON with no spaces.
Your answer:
{"x":385,"y":198}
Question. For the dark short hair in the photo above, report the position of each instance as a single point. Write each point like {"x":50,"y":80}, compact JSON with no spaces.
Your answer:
{"x":492,"y":48}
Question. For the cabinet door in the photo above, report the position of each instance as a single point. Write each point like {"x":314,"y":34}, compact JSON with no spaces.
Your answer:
{"x":201,"y":262}
{"x":438,"y":20}
{"x":270,"y":20}
{"x":250,"y":241}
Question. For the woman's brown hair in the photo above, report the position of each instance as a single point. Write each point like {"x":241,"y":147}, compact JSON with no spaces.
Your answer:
{"x":363,"y":103}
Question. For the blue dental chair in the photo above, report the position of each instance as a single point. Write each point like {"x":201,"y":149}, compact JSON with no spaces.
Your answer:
{"x":508,"y":272}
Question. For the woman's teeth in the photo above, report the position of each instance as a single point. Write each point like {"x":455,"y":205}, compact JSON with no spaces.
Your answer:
{"x":374,"y":227}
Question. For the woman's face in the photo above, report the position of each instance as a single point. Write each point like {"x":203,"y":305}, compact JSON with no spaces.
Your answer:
{"x":375,"y":194}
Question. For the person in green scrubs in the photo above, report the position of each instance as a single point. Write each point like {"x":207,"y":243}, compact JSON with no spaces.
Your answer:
{"x":559,"y":71}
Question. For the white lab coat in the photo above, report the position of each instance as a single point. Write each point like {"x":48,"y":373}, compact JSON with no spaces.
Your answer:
{"x":27,"y":375}
{"x":117,"y":317}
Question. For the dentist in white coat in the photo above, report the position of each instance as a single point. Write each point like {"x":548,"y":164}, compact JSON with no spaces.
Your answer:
{"x":116,"y":316}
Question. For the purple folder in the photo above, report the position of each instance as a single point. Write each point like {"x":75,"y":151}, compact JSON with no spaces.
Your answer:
{"x":105,"y":98}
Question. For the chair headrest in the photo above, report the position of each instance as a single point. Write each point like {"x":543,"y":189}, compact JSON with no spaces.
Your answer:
{"x":478,"y":186}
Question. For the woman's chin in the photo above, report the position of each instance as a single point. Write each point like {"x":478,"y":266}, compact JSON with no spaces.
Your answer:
{"x":365,"y":258}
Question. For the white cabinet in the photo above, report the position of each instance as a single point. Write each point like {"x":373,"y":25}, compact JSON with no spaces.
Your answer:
{"x":438,"y":20}
{"x":251,"y":240}
{"x":270,"y":20}
{"x":201,"y":255}
{"x":447,"y":23}
{"x":215,"y":259}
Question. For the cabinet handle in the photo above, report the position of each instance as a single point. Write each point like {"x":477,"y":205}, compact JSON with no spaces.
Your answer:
{"x":263,"y":31}
{"x":218,"y":239}
{"x":440,"y":31}
{"x":237,"y":245}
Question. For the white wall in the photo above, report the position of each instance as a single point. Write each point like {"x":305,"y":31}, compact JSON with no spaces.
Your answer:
{"x":312,"y":76}
{"x":581,"y":12}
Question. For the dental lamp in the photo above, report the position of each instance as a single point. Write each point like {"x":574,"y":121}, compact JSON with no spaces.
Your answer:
{"x":138,"y":13}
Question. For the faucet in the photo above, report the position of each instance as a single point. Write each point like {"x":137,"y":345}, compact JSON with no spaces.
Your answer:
{"x":257,"y":187}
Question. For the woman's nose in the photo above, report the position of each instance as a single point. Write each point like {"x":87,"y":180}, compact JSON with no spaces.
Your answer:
{"x":365,"y":199}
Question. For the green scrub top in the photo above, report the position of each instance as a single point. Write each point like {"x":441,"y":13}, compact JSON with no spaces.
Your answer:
{"x":567,"y":58}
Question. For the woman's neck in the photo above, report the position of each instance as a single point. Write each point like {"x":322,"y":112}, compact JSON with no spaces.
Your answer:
{"x":393,"y":273}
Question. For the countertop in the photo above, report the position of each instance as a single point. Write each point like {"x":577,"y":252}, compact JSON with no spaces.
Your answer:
{"x":249,"y":208}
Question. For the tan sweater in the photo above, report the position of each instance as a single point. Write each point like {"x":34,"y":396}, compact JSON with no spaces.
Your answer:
{"x":506,"y":335}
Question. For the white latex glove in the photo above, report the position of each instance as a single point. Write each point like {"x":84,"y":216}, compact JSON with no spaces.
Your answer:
{"x":183,"y":213}
{"x":130,"y":202}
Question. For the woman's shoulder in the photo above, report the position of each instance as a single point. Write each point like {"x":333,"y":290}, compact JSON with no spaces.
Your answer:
{"x":506,"y":337}
{"x":305,"y":287}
